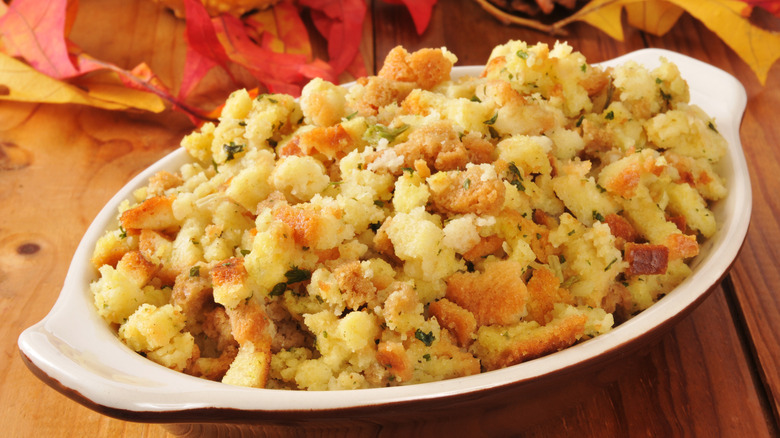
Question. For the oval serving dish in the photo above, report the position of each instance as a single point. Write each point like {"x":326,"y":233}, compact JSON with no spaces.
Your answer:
{"x":73,"y":350}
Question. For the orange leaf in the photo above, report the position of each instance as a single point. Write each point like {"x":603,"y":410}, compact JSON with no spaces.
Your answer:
{"x":420,"y":10}
{"x":654,"y":17}
{"x":204,"y":50}
{"x":341,"y":23}
{"x":35,"y":31}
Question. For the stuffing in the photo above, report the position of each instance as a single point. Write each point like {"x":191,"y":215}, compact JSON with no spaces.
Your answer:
{"x":414,"y":227}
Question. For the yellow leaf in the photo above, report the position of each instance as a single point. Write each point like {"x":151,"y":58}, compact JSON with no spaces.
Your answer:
{"x":759,"y":48}
{"x":655,"y":17}
{"x":20,"y":82}
{"x":602,"y":14}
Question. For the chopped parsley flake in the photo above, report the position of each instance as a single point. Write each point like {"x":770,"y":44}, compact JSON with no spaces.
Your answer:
{"x":232,"y":149}
{"x":426,"y":338}
{"x":195,"y":271}
{"x":295,"y":275}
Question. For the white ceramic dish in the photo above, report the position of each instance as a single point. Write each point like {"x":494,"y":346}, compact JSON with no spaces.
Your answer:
{"x":73,"y":350}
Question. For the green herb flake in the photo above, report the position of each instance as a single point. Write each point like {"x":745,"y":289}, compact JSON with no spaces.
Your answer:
{"x":242,"y":123}
{"x":475,"y":99}
{"x":427,"y":357}
{"x":278,"y":289}
{"x":214,"y":165}
{"x":245,"y":252}
{"x":570,"y":281}
{"x":571,"y":232}
{"x":232,"y":149}
{"x":579,"y":121}
{"x":466,"y":184}
{"x":493,"y":132}
{"x":584,"y":68}
{"x":122,"y":232}
{"x":610,"y":115}
{"x":492,"y":120}
{"x":659,"y":81}
{"x":610,"y":264}
{"x":562,"y":259}
{"x":379,"y":203}
{"x":426,"y":338}
{"x":522,"y":54}
{"x":711,"y":126}
{"x":195,"y":271}
{"x":518,"y":185}
{"x":295,"y":275}
{"x":597,"y":216}
{"x":351,"y":116}
{"x":376,"y":132}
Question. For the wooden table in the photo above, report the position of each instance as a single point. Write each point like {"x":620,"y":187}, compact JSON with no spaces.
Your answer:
{"x":715,"y":373}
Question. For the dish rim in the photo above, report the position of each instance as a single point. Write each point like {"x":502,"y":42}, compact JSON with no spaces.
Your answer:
{"x":56,"y":353}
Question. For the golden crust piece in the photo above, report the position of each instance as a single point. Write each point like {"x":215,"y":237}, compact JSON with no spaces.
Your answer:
{"x":191,"y":293}
{"x":152,"y":245}
{"x":230,"y":272}
{"x":544,"y":291}
{"x":250,"y":324}
{"x":378,"y":92}
{"x":467,"y":192}
{"x":441,"y":147}
{"x":456,"y":319}
{"x":155,"y":213}
{"x":540,"y":341}
{"x":331,"y":141}
{"x":392,"y":356}
{"x":355,"y":287}
{"x":495,"y":296}
{"x":137,"y":268}
{"x":425,"y":67}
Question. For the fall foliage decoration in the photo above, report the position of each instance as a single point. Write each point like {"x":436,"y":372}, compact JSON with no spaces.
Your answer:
{"x":728,"y":19}
{"x":40,"y":63}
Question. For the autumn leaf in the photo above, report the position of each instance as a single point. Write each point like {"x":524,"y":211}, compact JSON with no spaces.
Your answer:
{"x":759,"y":48}
{"x":773,"y":6}
{"x":656,"y":18}
{"x":22,"y":83}
{"x":420,"y":11}
{"x":204,"y":50}
{"x":341,"y":23}
{"x":34,"y":31}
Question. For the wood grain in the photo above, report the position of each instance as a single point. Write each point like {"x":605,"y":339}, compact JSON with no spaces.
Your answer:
{"x":714,"y":374}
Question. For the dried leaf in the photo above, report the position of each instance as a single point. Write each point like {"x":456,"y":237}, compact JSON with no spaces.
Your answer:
{"x":204,"y":50}
{"x":279,"y":72}
{"x":341,"y":23}
{"x":420,"y":11}
{"x":773,"y":6}
{"x":759,"y":48}
{"x":35,"y":31}
{"x":23,"y":83}
{"x":654,"y":17}
{"x":605,"y":15}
